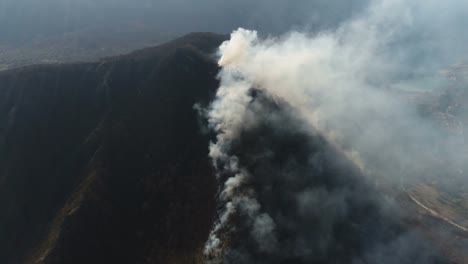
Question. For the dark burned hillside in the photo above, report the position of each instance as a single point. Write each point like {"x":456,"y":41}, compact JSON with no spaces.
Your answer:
{"x":104,"y":162}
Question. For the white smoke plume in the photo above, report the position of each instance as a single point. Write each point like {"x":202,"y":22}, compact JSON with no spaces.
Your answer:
{"x":347,"y":84}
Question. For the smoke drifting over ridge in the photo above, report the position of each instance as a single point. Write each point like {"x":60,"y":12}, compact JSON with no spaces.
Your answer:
{"x":300,"y":119}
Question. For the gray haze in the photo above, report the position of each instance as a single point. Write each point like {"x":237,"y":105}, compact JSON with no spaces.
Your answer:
{"x":23,"y":20}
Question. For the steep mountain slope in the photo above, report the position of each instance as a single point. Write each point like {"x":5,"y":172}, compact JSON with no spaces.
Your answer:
{"x":105,"y":162}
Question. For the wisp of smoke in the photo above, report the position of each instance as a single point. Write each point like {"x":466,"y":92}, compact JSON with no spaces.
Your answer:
{"x":305,"y":122}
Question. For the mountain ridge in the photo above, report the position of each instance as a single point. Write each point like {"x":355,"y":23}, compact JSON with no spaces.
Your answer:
{"x":95,"y":157}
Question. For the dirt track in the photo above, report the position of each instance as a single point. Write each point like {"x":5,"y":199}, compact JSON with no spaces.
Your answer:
{"x":434,"y":213}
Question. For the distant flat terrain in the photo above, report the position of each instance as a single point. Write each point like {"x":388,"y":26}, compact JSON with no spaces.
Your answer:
{"x":84,"y":45}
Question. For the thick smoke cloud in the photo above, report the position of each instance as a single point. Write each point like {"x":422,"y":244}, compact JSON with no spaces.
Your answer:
{"x":301,"y":201}
{"x":307,"y":123}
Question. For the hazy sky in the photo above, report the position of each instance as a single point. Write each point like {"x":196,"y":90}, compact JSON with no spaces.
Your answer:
{"x":22,"y":20}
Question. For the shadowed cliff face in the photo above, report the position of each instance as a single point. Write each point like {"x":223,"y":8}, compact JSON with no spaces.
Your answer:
{"x":105,"y":162}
